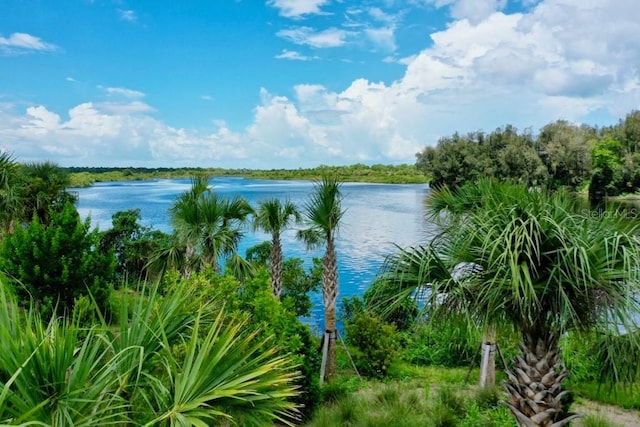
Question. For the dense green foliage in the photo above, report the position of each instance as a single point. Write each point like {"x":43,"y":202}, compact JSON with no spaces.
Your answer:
{"x":270,"y":317}
{"x":172,"y":361}
{"x":133,"y":244}
{"x":28,"y":190}
{"x":535,"y":262}
{"x":375,"y":344}
{"x":56,"y":263}
{"x":561,"y":155}
{"x":387,"y":174}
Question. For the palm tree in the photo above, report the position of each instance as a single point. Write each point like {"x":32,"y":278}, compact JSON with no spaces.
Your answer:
{"x":274,"y":216}
{"x":207,"y":225}
{"x":45,"y":190}
{"x":546,"y":268}
{"x":323,"y":213}
{"x":11,"y":201}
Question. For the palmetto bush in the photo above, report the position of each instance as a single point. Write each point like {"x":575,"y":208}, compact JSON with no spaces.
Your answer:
{"x":179,"y":361}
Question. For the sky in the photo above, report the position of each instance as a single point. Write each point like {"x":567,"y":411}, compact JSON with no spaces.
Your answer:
{"x":265,"y":84}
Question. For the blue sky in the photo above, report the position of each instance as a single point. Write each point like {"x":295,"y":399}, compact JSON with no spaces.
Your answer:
{"x":298,"y":83}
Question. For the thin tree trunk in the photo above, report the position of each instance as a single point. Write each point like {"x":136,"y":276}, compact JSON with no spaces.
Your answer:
{"x":535,"y":384}
{"x":330,"y":296}
{"x":488,"y":361}
{"x":276,"y":266}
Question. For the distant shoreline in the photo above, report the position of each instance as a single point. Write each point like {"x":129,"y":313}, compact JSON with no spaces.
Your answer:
{"x":382,"y":174}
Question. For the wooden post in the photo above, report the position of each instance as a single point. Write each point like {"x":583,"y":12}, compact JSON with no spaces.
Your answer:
{"x":325,"y":351}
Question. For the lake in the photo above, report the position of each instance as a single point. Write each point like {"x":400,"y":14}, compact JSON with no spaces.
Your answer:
{"x":377,"y":217}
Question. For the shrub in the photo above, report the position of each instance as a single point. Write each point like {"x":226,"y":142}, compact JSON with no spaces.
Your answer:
{"x":448,"y":343}
{"x":375,"y":343}
{"x":58,"y":263}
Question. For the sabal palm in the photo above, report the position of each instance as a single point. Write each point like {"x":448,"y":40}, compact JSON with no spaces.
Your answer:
{"x":208,"y":225}
{"x":323,"y":213}
{"x":45,"y":189}
{"x":11,"y":200}
{"x":274,"y":216}
{"x":547,"y":268}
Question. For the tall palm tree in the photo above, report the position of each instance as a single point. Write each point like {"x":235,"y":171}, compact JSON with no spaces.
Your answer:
{"x":323,"y":213}
{"x":208,"y":225}
{"x":274,"y":216}
{"x":546,"y":268}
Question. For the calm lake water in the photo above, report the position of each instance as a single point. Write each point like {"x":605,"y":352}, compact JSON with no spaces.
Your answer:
{"x":377,"y":217}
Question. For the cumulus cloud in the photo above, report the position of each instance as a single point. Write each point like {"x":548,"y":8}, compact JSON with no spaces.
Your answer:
{"x":331,"y":37}
{"x":18,"y":43}
{"x":560,"y":59}
{"x":298,"y":8}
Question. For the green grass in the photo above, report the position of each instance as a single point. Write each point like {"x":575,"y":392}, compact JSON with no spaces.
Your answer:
{"x":627,"y":397}
{"x":410,"y":396}
{"x":399,"y":404}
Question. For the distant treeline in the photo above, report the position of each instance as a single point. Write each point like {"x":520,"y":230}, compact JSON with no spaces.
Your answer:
{"x":605,"y":160}
{"x":405,"y":174}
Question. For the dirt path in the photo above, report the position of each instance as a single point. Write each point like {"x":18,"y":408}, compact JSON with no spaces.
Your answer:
{"x":618,"y":416}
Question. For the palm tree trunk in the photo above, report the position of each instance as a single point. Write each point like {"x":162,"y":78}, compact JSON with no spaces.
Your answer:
{"x":276,"y":265}
{"x":534,"y":386}
{"x":330,"y":297}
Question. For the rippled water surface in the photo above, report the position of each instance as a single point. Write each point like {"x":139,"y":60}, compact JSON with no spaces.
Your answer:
{"x":377,"y":217}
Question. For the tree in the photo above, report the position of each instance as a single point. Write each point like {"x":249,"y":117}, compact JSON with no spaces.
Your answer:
{"x":455,"y":160}
{"x":565,"y":149}
{"x":133,"y":244}
{"x":323,"y":213}
{"x":11,"y":201}
{"x":274,"y":216}
{"x":57,"y":263}
{"x":207,"y":225}
{"x":546,"y":268}
{"x":45,"y":185}
{"x":606,"y":157}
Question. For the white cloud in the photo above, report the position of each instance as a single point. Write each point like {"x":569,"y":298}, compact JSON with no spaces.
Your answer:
{"x":472,"y":10}
{"x":331,"y":37}
{"x":382,"y":38}
{"x":23,"y":43}
{"x":298,"y":8}
{"x":293,"y":55}
{"x":127,"y":15}
{"x":128,"y":93}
